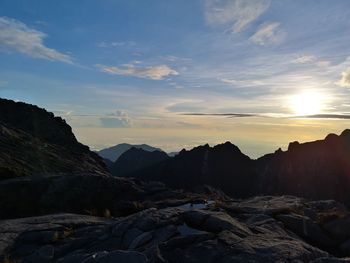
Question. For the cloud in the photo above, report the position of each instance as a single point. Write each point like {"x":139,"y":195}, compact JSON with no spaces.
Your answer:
{"x":270,"y":33}
{"x":116,"y":44}
{"x":345,"y":79}
{"x":242,"y":83}
{"x":272,"y":115}
{"x":308,"y":59}
{"x":117,"y":119}
{"x":230,"y":115}
{"x":304,"y":59}
{"x":238,"y":13}
{"x":152,"y":72}
{"x":16,"y":36}
{"x":326,"y":116}
{"x":175,"y":58}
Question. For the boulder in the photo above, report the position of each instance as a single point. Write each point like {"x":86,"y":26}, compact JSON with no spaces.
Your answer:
{"x":306,"y":228}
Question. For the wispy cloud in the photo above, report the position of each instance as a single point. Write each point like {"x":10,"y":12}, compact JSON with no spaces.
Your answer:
{"x":238,"y":14}
{"x":104,"y":44}
{"x":345,"y":79}
{"x":326,"y":116}
{"x":303,"y":59}
{"x":150,"y":72}
{"x":311,"y":59}
{"x":270,"y":33}
{"x":242,"y":83}
{"x":175,"y":58}
{"x":117,"y":119}
{"x":16,"y":36}
{"x":272,"y":115}
{"x":230,"y":115}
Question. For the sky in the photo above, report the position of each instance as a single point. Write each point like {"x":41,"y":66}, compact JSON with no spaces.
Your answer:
{"x":176,"y":73}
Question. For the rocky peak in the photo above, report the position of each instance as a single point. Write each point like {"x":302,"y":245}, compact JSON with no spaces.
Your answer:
{"x":293,"y":146}
{"x":37,"y":122}
{"x":35,"y":142}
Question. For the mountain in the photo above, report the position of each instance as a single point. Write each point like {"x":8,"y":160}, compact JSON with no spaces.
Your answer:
{"x":317,"y":170}
{"x":113,"y":153}
{"x":35,"y":142}
{"x":135,"y":159}
{"x":223,"y":166}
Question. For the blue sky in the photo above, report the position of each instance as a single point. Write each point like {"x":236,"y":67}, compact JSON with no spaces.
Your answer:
{"x":126,"y":71}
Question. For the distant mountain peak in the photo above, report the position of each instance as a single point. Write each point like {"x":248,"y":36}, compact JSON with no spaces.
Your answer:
{"x":135,"y":159}
{"x":114,"y":152}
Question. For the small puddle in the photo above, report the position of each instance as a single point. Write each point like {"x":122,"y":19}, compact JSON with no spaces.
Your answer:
{"x":185,"y":230}
{"x":191,"y":206}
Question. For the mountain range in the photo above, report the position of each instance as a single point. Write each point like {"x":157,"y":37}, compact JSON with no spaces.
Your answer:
{"x":316,"y":170}
{"x":35,"y":142}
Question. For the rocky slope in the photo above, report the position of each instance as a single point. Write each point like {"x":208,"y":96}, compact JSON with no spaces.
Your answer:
{"x":262,"y":229}
{"x":35,"y":142}
{"x":135,"y":159}
{"x":114,"y":152}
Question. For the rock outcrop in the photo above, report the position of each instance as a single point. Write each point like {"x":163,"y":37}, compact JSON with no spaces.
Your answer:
{"x":253,"y":230}
{"x":35,"y":142}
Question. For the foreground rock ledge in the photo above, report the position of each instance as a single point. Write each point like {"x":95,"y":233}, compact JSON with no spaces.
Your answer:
{"x":261,"y":229}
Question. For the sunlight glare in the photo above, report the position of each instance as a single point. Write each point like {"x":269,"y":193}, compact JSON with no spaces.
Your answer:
{"x":307,"y":103}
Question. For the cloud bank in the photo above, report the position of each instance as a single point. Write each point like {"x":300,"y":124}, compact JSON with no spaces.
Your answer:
{"x":16,"y":36}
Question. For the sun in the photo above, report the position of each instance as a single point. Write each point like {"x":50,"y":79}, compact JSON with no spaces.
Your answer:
{"x":307,"y":103}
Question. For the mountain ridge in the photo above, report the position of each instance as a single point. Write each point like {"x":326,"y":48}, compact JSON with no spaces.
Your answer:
{"x":35,"y":142}
{"x":317,"y":170}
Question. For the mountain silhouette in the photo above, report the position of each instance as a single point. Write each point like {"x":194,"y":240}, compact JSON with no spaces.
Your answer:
{"x":223,"y":166}
{"x":135,"y":159}
{"x":113,"y":153}
{"x":319,"y":169}
{"x":35,"y":142}
{"x":316,"y":170}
